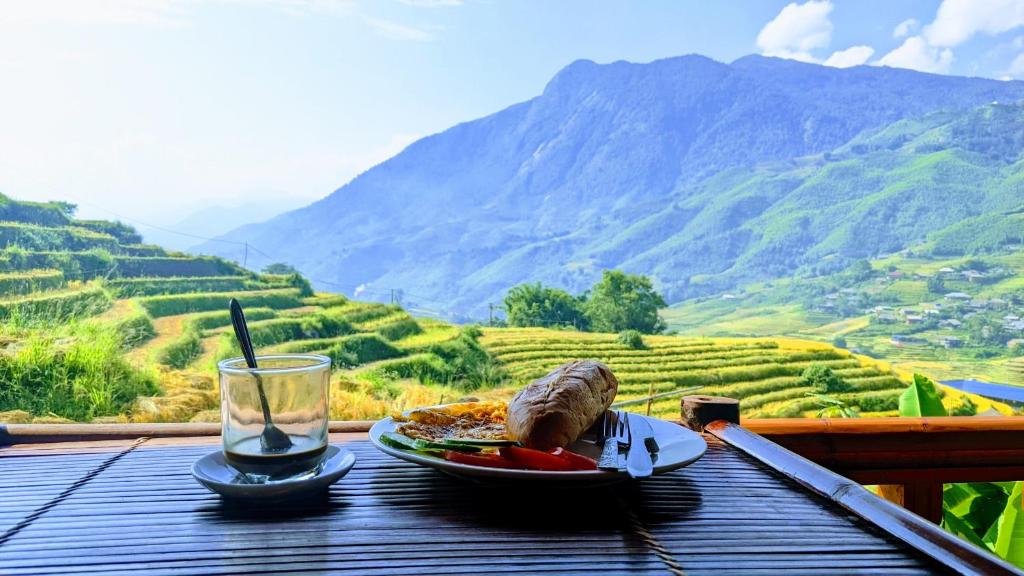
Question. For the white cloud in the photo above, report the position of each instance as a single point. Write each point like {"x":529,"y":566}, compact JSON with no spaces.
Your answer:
{"x":915,"y":53}
{"x":852,"y":56}
{"x":905,"y":28}
{"x":396,"y":31}
{"x":1016,"y":69}
{"x":958,"y":20}
{"x":796,"y":30}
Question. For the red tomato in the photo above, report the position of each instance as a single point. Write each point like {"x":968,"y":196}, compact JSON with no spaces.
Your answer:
{"x":488,"y":460}
{"x":535,"y":459}
{"x":578,"y":461}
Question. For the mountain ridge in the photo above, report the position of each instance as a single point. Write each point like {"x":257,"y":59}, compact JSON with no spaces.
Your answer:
{"x":550,"y":189}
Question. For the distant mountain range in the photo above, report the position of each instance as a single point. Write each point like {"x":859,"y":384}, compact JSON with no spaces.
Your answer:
{"x":702,"y":174}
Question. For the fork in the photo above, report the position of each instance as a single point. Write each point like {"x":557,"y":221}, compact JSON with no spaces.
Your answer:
{"x":615,"y":436}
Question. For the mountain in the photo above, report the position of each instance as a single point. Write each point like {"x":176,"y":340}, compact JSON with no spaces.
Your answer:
{"x":700,"y":173}
{"x":209,"y":221}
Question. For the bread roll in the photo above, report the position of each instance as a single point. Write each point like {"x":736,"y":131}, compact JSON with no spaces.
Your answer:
{"x":554,"y":410}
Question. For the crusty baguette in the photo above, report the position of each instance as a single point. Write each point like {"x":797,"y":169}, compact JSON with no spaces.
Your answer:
{"x":554,"y":410}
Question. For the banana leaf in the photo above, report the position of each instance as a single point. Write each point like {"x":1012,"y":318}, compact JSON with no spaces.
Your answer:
{"x":972,"y":509}
{"x":1009,"y":539}
{"x":921,"y":399}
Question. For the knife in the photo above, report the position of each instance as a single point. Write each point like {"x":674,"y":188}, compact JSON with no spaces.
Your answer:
{"x":639,"y":463}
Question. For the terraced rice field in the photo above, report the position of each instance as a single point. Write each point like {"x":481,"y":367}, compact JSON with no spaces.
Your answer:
{"x":764,"y":373}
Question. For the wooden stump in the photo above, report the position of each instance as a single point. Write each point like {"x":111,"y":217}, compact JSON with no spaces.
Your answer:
{"x":699,"y":411}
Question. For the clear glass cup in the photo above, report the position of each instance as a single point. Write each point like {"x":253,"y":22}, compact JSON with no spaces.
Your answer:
{"x":297,"y":387}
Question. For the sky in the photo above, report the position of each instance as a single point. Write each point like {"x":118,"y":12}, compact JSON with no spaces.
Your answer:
{"x":149,"y":110}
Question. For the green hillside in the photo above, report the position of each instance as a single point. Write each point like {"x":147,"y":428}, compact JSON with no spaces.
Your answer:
{"x":96,"y":326}
{"x":951,"y":317}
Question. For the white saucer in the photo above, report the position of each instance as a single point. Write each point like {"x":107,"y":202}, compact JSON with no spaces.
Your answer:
{"x":218,"y":476}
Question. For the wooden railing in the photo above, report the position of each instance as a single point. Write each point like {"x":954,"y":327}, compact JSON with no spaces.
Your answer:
{"x":909,"y":458}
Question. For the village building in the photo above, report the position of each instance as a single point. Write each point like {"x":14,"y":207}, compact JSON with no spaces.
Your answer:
{"x":951,"y":342}
{"x":958,"y":296}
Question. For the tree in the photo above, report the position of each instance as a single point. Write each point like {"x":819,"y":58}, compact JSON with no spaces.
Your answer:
{"x":936,"y":285}
{"x":538,"y":305}
{"x":279,"y":268}
{"x":823,"y":379}
{"x":623,"y":301}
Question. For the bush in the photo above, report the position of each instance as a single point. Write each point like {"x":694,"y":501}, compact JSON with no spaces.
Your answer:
{"x":878,"y":401}
{"x":171,"y":305}
{"x":823,"y":379}
{"x":360,"y":349}
{"x":631,"y":338}
{"x":182,"y":351}
{"x":19,"y":283}
{"x":399,"y":329}
{"x":218,"y":318}
{"x":80,"y":376}
{"x":424,"y":367}
{"x":468,"y":364}
{"x":295,"y":281}
{"x":150,"y":250}
{"x":124,"y":233}
{"x":135,"y":266}
{"x":55,"y":306}
{"x":75,"y":265}
{"x":42,"y":213}
{"x":71,"y":238}
{"x":132,"y":287}
{"x":839,"y":342}
{"x":966,"y":407}
{"x":271,"y":332}
{"x":135,"y":328}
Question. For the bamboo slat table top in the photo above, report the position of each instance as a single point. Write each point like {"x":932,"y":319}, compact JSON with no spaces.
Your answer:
{"x":132,"y":507}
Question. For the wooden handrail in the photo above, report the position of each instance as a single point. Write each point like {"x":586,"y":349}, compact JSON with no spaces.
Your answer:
{"x":909,"y":528}
{"x":909,"y":458}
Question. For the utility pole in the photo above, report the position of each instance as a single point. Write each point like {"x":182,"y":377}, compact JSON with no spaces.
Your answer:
{"x":392,"y":295}
{"x":490,"y":313}
{"x":245,"y":257}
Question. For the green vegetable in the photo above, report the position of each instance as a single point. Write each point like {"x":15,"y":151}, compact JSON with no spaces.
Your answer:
{"x":444,"y":445}
{"x":405,"y":443}
{"x":397,"y":441}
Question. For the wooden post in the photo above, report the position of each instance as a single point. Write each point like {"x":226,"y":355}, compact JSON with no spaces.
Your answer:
{"x":699,"y":411}
{"x":921,"y":498}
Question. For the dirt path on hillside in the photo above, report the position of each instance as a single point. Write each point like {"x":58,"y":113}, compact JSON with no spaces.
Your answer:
{"x":120,"y":309}
{"x":167,"y":329}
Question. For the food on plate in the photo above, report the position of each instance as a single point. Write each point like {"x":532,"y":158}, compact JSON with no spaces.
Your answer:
{"x":555,"y":410}
{"x":531,"y":433}
{"x":464,"y":421}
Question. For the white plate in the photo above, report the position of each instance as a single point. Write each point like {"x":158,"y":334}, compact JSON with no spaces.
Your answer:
{"x":678,"y":447}
{"x":218,"y":476}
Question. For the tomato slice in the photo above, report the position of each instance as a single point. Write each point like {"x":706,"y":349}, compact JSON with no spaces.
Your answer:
{"x":535,"y":459}
{"x":487,"y":460}
{"x":578,"y":461}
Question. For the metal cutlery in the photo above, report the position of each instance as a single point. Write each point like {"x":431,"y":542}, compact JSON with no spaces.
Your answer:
{"x":639,"y":463}
{"x":615,"y":438}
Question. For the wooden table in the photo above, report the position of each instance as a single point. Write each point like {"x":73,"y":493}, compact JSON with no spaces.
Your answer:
{"x":131,"y":507}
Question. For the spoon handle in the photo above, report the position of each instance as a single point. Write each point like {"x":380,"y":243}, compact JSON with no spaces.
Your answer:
{"x":245,"y":343}
{"x":242,"y":332}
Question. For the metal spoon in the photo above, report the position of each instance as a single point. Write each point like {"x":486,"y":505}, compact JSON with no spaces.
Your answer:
{"x":273,"y":439}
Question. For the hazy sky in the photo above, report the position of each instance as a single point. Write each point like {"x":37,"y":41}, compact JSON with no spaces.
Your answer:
{"x":153,"y":108}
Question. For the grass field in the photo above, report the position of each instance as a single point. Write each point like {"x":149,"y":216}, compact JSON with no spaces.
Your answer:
{"x":764,"y":373}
